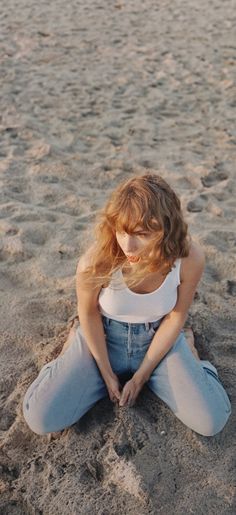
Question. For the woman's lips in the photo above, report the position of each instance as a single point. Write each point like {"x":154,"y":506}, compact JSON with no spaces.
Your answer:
{"x":133,"y":259}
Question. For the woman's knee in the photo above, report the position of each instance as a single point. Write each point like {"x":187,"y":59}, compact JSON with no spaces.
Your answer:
{"x":216,"y":417}
{"x":34,"y":417}
{"x":211,"y":429}
{"x":210,"y":424}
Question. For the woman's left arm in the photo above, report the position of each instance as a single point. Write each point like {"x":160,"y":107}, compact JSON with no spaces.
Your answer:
{"x":191,"y":271}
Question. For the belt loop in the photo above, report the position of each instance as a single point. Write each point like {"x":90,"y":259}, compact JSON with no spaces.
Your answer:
{"x":147,"y":326}
{"x":108,"y":320}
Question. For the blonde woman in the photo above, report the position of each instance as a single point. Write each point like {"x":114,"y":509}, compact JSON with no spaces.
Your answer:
{"x":134,"y":285}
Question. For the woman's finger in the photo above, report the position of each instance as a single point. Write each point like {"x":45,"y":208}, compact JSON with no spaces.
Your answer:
{"x":117,"y":394}
{"x":129,"y":394}
{"x":122,"y":401}
{"x":125,"y":395}
{"x":132,"y":398}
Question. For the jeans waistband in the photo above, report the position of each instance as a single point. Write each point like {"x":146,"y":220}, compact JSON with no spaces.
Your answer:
{"x":147,"y":325}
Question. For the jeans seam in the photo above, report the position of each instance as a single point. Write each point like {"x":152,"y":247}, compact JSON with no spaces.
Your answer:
{"x":129,"y":340}
{"x":212,"y":373}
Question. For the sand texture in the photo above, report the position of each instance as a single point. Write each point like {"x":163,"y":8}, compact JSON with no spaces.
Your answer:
{"x":92,"y":92}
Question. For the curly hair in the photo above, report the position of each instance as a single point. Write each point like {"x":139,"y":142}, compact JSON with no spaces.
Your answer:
{"x":146,"y":201}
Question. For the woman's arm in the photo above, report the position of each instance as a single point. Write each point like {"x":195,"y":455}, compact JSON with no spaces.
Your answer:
{"x":167,"y":333}
{"x":92,"y":326}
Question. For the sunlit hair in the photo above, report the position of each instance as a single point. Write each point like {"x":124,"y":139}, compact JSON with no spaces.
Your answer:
{"x":148,"y":202}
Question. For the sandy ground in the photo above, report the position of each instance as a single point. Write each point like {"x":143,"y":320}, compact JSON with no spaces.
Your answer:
{"x":92,"y":92}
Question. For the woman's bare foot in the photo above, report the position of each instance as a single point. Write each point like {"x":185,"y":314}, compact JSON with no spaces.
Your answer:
{"x":190,"y":341}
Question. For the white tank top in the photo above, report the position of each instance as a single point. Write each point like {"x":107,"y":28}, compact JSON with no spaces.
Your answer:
{"x":122,"y":304}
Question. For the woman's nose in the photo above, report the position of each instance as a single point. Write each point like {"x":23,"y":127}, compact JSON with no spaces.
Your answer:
{"x":129,"y":243}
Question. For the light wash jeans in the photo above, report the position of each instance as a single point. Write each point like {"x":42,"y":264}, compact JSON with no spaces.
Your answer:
{"x":71,"y":384}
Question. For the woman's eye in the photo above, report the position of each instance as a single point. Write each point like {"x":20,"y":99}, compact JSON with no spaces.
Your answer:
{"x":137,"y":234}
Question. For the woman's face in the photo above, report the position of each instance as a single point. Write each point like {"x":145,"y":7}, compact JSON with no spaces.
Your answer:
{"x":133,"y":244}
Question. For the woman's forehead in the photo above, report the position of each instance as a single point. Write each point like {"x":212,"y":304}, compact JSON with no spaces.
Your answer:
{"x":129,"y":225}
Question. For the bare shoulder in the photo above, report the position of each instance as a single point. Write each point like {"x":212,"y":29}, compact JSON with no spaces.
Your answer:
{"x":196,"y":253}
{"x":193,"y":265}
{"x":87,"y":292}
{"x":85,"y":260}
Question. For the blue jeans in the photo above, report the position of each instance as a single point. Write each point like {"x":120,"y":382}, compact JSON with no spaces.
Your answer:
{"x":71,"y":384}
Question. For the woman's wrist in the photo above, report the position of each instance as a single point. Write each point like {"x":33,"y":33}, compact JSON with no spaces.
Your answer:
{"x":140,"y":378}
{"x":107,"y":374}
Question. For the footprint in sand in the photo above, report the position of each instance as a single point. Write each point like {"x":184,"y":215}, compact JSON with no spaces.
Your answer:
{"x":80,"y":227}
{"x":32,"y":309}
{"x":40,"y":216}
{"x":39,"y":150}
{"x":8,"y":209}
{"x":224,"y":241}
{"x":38,"y":464}
{"x":125,"y":449}
{"x":7,"y":282}
{"x":91,"y":470}
{"x":12,"y":248}
{"x":231,"y":288}
{"x":27,"y":217}
{"x":221,"y":196}
{"x":212,"y":274}
{"x":213,"y":178}
{"x":198,"y":204}
{"x":8,"y":472}
{"x":37,"y":235}
{"x":7,"y":228}
{"x":12,"y":508}
{"x":50,"y":217}
{"x":6,"y":420}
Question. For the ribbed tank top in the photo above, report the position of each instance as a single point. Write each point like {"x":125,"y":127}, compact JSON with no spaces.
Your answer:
{"x":124,"y":305}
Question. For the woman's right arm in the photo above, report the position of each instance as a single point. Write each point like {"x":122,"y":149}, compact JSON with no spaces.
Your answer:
{"x":92,"y":326}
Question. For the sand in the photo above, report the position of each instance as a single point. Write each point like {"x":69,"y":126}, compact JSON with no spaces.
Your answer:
{"x":92,"y":92}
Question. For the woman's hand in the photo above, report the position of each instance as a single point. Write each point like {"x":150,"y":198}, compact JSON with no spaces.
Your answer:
{"x":130,"y":392}
{"x":113,"y":386}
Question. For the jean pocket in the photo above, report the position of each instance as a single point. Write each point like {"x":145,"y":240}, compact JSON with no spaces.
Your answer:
{"x":142,"y":341}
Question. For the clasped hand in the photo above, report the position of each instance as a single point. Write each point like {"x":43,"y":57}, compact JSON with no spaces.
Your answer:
{"x":128,"y":395}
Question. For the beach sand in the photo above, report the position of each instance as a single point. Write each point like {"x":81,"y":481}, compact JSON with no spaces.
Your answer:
{"x":92,"y":92}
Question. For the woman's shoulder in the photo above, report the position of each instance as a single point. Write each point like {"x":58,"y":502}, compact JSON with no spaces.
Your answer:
{"x":85,"y":259}
{"x":196,"y":252}
{"x":84,"y":262}
{"x":193,"y":264}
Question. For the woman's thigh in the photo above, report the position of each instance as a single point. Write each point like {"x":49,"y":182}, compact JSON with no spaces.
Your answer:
{"x":65,"y":389}
{"x":191,"y":389}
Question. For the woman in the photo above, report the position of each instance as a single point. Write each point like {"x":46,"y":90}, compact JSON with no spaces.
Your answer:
{"x":135,"y":285}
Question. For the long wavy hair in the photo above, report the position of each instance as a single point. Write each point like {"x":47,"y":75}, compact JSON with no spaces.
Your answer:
{"x":146,"y":201}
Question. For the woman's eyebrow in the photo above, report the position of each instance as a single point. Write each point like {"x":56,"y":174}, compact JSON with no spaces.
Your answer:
{"x":135,"y":231}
